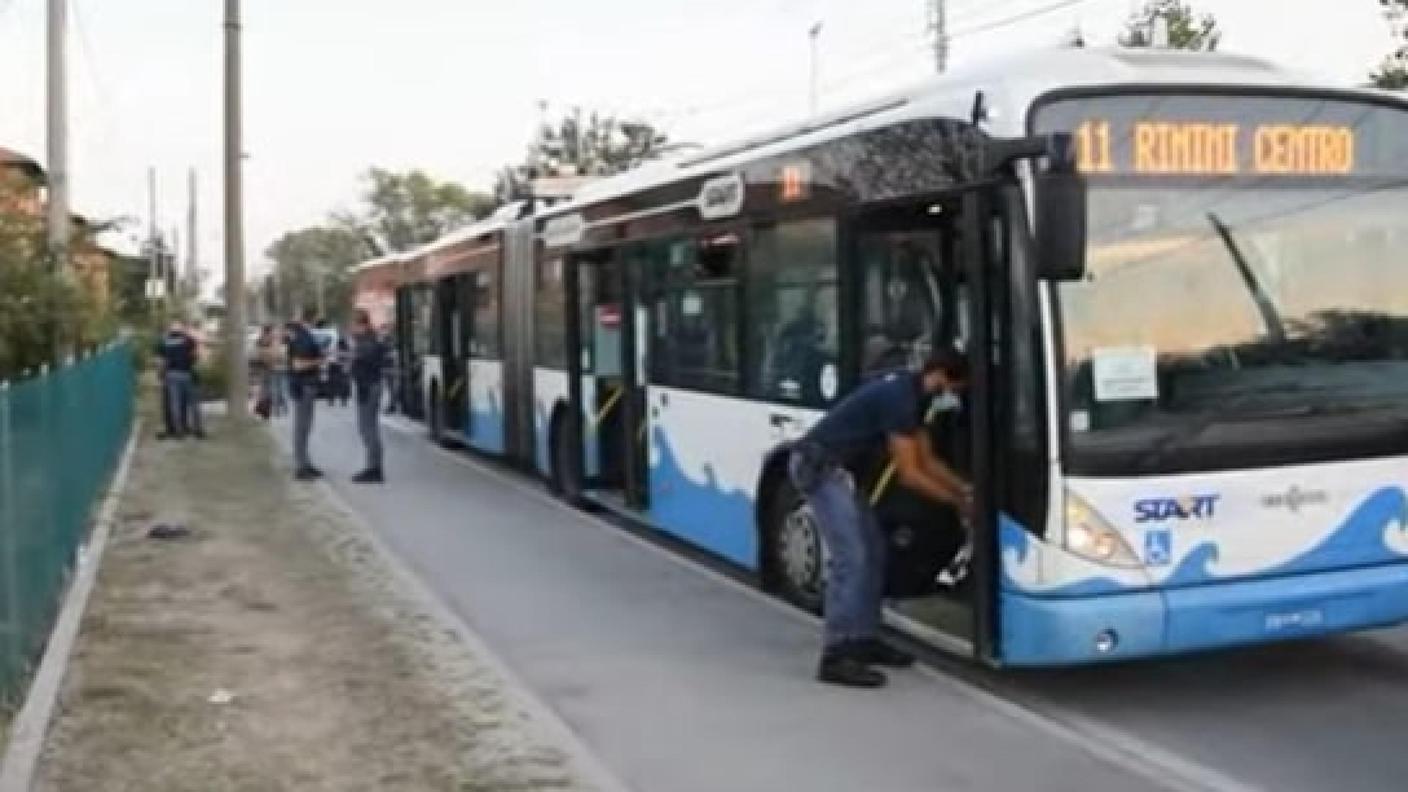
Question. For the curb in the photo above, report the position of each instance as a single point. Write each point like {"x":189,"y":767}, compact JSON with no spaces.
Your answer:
{"x":31,"y":724}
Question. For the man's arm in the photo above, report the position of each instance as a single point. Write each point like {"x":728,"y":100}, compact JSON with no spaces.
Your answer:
{"x":909,"y":454}
{"x":939,"y":468}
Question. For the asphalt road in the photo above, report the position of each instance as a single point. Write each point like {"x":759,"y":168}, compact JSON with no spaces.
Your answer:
{"x":683,"y":681}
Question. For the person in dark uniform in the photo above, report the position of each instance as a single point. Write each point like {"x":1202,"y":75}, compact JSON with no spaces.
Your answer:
{"x":368,"y":362}
{"x":305,"y":360}
{"x":886,"y":412}
{"x":178,"y":352}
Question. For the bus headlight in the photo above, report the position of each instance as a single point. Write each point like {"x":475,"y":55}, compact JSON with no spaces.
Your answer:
{"x":1089,"y":535}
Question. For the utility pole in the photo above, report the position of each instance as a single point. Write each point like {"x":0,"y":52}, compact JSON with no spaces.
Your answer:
{"x":814,"y":34}
{"x":192,"y":269}
{"x":58,"y":136}
{"x":154,"y":246}
{"x":938,"y":26}
{"x":238,"y":372}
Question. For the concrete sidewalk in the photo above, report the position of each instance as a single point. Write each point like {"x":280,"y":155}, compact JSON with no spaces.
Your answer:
{"x":680,"y":681}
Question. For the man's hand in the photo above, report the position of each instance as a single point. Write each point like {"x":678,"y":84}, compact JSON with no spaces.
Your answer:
{"x":916,"y":473}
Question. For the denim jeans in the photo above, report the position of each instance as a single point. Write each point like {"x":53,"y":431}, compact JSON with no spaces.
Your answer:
{"x":275,"y":388}
{"x":305,"y":394}
{"x":182,"y":404}
{"x":369,"y":421}
{"x":855,"y":545}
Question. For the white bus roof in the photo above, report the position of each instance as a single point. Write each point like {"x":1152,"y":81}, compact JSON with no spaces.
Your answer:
{"x":1009,"y":87}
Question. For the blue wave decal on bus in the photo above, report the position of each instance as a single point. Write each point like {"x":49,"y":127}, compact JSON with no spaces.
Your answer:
{"x":1358,"y":541}
{"x":706,"y":514}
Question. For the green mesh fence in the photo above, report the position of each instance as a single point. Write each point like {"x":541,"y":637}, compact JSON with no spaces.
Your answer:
{"x":61,"y":434}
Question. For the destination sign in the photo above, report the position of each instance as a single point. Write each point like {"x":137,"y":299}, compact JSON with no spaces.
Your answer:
{"x":1267,"y":138}
{"x":1198,"y":148}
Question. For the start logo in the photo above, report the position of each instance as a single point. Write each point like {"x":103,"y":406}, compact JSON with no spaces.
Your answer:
{"x":1196,"y":507}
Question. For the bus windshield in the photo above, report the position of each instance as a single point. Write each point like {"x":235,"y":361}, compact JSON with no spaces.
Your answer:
{"x":1247,"y":278}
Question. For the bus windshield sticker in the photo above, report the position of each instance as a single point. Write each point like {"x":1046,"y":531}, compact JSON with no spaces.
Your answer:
{"x":829,"y":381}
{"x":1080,"y":421}
{"x":1125,"y":374}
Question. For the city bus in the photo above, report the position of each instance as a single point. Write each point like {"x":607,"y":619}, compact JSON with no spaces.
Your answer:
{"x":1178,"y":279}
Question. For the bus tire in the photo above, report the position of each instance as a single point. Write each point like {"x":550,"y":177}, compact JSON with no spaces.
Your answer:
{"x":564,"y":479}
{"x":795,"y":556}
{"x":435,"y":415}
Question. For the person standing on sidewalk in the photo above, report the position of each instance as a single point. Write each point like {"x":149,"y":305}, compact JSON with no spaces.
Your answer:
{"x":305,"y":356}
{"x":178,"y":352}
{"x":368,"y":368}
{"x":885,"y":412}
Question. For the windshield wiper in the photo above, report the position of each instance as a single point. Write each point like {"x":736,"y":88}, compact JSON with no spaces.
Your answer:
{"x":1270,"y":316}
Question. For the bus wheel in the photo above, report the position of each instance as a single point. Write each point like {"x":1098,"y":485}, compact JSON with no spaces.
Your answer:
{"x":565,"y":480}
{"x":797,"y":557}
{"x":435,"y":416}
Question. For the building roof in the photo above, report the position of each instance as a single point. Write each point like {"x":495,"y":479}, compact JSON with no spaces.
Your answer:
{"x":13,"y":159}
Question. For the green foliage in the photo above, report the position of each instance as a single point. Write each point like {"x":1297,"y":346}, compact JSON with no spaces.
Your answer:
{"x":1186,"y":30}
{"x":314,"y":263}
{"x":580,"y":144}
{"x":40,"y":312}
{"x":401,"y":211}
{"x":1392,"y":74}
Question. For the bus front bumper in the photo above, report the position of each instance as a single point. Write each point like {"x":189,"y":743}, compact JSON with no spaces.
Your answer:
{"x":1053,"y":631}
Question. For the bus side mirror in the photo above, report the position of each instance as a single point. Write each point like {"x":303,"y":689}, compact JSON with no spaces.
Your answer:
{"x":1061,"y":214}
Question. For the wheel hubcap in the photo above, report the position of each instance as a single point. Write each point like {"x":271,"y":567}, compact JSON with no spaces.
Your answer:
{"x":799,"y":548}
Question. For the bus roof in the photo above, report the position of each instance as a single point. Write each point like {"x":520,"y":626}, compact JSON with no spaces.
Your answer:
{"x":1009,"y":86}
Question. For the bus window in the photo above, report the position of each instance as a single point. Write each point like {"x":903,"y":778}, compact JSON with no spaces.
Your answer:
{"x":696,"y":329}
{"x":485,"y":341}
{"x":792,"y":312}
{"x":903,"y":314}
{"x":549,"y":315}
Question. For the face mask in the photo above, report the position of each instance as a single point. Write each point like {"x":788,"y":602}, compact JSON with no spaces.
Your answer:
{"x":946,"y":401}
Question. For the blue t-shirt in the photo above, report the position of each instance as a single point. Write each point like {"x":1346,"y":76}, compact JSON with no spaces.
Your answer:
{"x":303,"y":345}
{"x":893,"y":404}
{"x":177,"y":351}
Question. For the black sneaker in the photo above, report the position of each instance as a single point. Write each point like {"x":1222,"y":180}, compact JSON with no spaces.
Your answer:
{"x":848,"y":670}
{"x":309,"y":473}
{"x":876,"y":651}
{"x":369,"y":476}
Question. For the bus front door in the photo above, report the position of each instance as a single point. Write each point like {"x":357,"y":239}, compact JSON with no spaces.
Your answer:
{"x":924,"y":279}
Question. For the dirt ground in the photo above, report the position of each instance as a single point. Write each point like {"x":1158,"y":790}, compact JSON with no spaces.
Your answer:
{"x":337,"y":679}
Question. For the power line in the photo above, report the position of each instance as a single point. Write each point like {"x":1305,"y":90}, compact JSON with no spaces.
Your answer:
{"x":1019,"y":17}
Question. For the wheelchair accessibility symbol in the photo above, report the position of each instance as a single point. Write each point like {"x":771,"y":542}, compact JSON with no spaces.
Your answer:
{"x":1158,"y":547}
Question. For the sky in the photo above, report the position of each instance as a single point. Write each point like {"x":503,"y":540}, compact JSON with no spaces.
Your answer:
{"x":333,"y":87}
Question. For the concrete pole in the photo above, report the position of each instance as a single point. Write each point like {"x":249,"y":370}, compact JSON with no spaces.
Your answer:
{"x":58,"y":135}
{"x":813,"y":34}
{"x":938,"y":24}
{"x":238,"y":372}
{"x":191,"y":276}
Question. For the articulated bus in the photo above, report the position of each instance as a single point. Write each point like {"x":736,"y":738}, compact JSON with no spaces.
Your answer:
{"x":1180,"y":278}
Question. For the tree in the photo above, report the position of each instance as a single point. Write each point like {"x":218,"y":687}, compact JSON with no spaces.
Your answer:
{"x":312,"y":271}
{"x":583,"y":144}
{"x":1392,"y":74}
{"x":401,"y":211}
{"x":1186,"y":30}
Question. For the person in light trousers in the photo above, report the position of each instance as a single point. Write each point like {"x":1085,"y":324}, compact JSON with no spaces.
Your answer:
{"x":368,"y":374}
